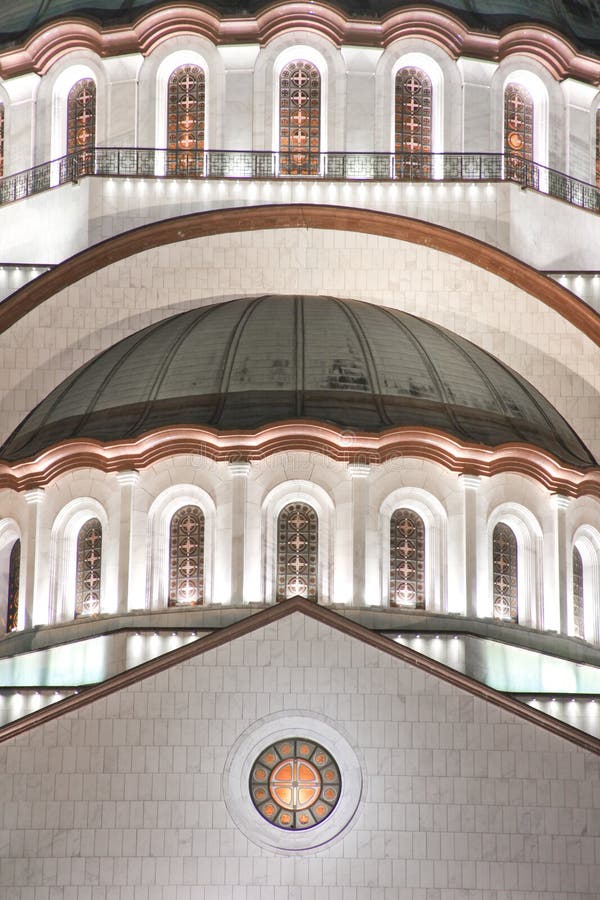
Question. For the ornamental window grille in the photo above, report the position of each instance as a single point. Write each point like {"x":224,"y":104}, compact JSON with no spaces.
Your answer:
{"x":299,"y":118}
{"x":186,"y":557}
{"x":412,"y":123}
{"x":186,"y":110}
{"x":297,"y":552}
{"x":81,"y":125}
{"x":598,"y":148}
{"x":407,"y":559}
{"x":1,"y":140}
{"x":505,"y":573}
{"x":578,"y":591}
{"x":89,"y":565}
{"x":518,"y":130}
{"x":14,"y":573}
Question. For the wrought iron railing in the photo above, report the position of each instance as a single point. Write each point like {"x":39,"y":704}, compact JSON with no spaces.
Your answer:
{"x":142,"y":162}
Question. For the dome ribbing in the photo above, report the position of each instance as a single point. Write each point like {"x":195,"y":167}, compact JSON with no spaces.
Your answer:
{"x":251,"y":362}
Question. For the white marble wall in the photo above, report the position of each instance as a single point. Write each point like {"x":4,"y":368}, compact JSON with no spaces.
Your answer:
{"x":123,"y":799}
{"x":138,"y":579}
{"x":45,"y":346}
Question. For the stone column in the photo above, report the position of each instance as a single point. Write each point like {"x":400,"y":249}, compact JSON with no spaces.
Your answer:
{"x":580,"y":128}
{"x":359,"y":473}
{"x":476,"y":108}
{"x":239,"y":472}
{"x":236,"y":112}
{"x":472,"y":541}
{"x":561,"y":504}
{"x":127,"y":481}
{"x":19,"y":132}
{"x":121,"y":111}
{"x":29,"y":565}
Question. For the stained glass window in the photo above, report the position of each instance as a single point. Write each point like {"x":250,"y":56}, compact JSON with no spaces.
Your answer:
{"x":598,"y":148}
{"x":413,"y":108}
{"x":295,"y":784}
{"x":299,"y":118}
{"x":1,"y":140}
{"x":14,"y":573}
{"x":185,"y":121}
{"x":89,"y":564}
{"x":186,"y":557}
{"x":518,"y":128}
{"x":505,"y":573}
{"x":577,"y":593}
{"x":81,"y":124}
{"x":297,"y":549}
{"x":407,"y":559}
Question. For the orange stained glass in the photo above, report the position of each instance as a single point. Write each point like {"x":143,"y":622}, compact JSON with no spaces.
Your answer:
{"x":295,"y":784}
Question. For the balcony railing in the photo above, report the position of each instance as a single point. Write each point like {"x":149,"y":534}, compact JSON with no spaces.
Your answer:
{"x":136,"y":162}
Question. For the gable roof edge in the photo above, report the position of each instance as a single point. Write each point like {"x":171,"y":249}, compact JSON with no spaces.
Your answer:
{"x":325,"y":616}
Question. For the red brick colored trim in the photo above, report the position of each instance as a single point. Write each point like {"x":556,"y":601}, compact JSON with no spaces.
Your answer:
{"x":311,"y":437}
{"x":40,"y":52}
{"x":302,"y":215}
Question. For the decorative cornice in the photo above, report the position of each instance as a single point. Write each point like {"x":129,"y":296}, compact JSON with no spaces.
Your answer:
{"x":306,"y":436}
{"x":328,"y":618}
{"x":53,"y":41}
{"x":302,"y":215}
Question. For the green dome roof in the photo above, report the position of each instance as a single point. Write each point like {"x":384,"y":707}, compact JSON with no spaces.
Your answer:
{"x":252,"y":362}
{"x":578,"y":20}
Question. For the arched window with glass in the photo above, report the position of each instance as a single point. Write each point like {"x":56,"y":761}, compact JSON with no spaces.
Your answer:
{"x":1,"y":140}
{"x":186,"y":557}
{"x":186,"y":112}
{"x":505,"y":573}
{"x":299,"y":118}
{"x":598,"y":148}
{"x":407,"y":559}
{"x":413,"y":123}
{"x":88,"y":579}
{"x":14,"y":576}
{"x":297,"y":552}
{"x":578,"y":593}
{"x":518,"y":130}
{"x":81,"y":125}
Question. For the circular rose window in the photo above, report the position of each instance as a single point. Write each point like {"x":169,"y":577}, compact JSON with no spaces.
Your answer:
{"x":295,"y":784}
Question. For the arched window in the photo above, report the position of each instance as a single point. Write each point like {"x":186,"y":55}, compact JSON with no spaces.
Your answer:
{"x":14,"y":573}
{"x":185,"y":121}
{"x":1,"y":140}
{"x":88,"y":571}
{"x":81,"y":124}
{"x":407,"y":559}
{"x":518,"y":128}
{"x":505,"y":573}
{"x":412,"y":123}
{"x":578,"y":591}
{"x":598,"y":148}
{"x":299,"y":118}
{"x":297,"y":552}
{"x":186,"y":557}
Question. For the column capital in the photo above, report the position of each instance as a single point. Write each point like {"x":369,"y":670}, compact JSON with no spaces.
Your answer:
{"x":471,"y":482}
{"x":559,"y":501}
{"x":240,"y":469}
{"x":359,"y":470}
{"x":34,"y":496}
{"x":128,"y":477}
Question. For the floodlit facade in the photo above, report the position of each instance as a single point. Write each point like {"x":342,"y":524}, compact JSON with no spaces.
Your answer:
{"x":299,"y":492}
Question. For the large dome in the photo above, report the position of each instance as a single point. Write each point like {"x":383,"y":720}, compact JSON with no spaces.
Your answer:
{"x":254,"y":361}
